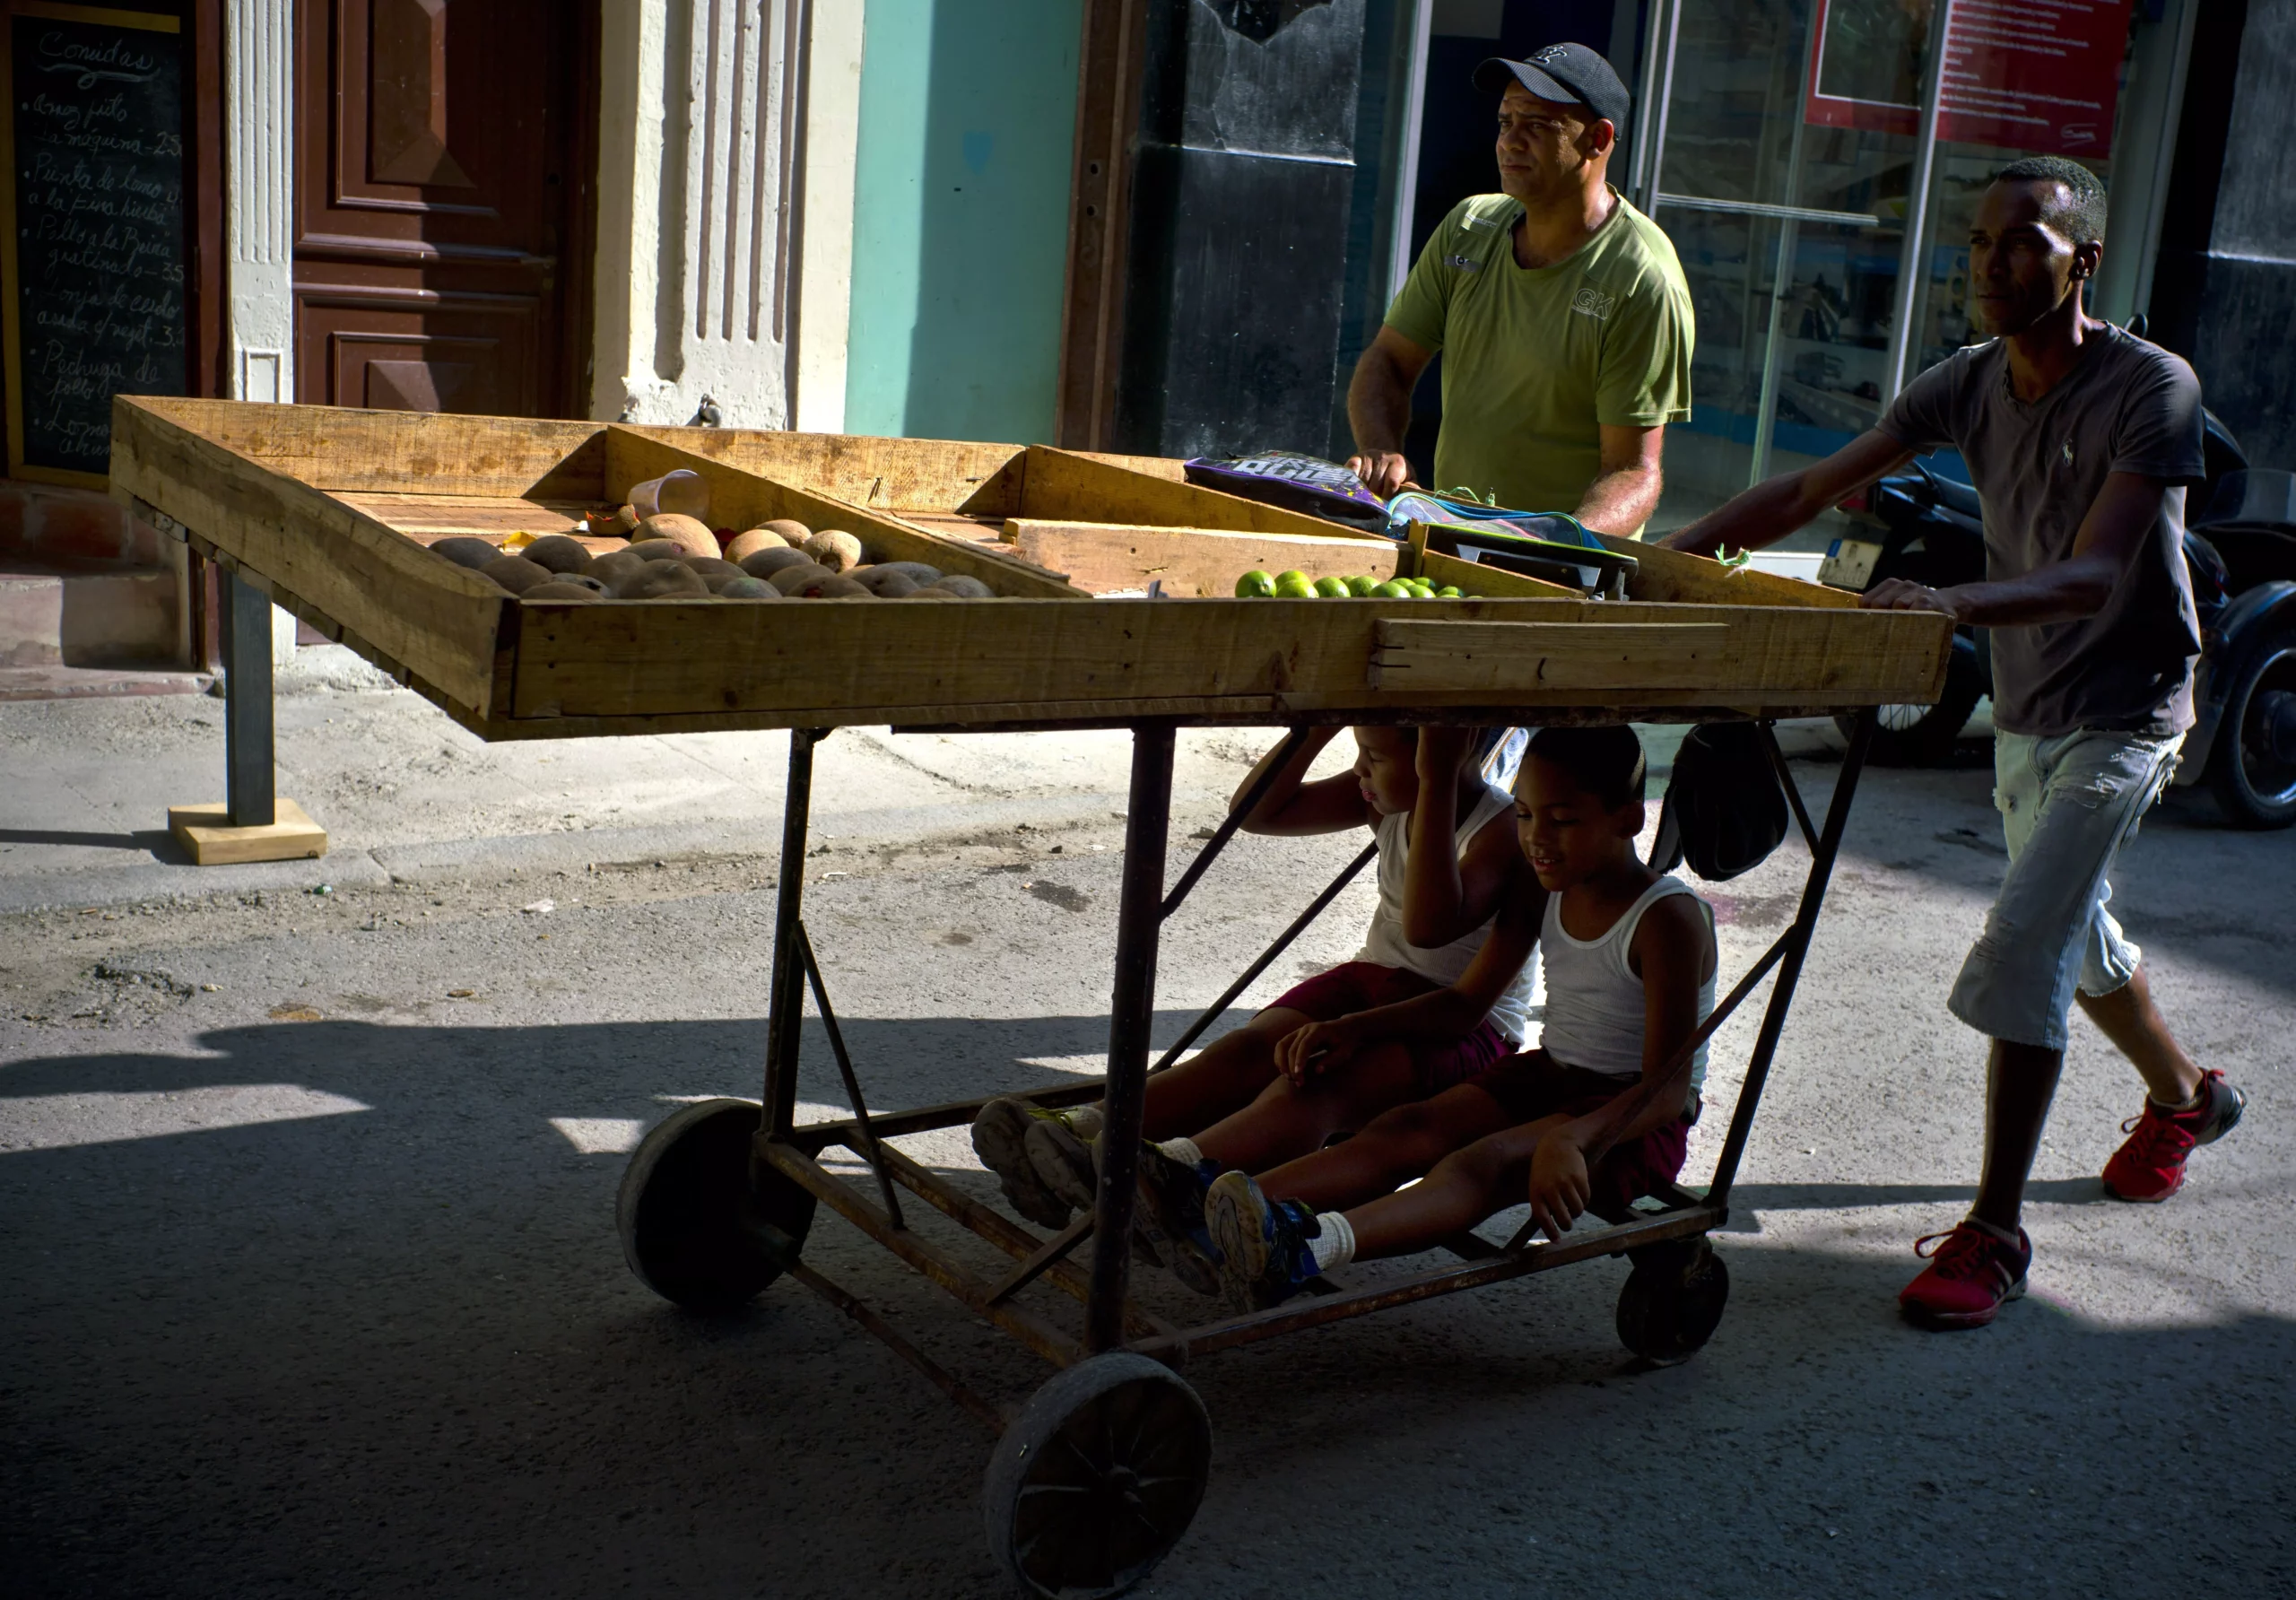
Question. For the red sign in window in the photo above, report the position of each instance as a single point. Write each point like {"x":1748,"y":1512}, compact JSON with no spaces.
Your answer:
{"x":2030,"y":75}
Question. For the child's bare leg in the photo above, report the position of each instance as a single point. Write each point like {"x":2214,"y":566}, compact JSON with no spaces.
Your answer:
{"x":1287,"y":1120}
{"x":1396,"y":1147}
{"x":1220,"y":1078}
{"x":1464,"y":1188}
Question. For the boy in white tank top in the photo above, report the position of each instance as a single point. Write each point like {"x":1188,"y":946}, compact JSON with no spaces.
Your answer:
{"x":1440,"y":992}
{"x":1597,"y":1116}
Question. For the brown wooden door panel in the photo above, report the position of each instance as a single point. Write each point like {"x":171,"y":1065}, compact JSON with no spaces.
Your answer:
{"x":434,"y":176}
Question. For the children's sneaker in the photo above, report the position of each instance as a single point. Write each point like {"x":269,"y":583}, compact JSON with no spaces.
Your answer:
{"x":1067,"y":1155}
{"x":1265,"y":1255}
{"x":1000,"y":1138}
{"x":2150,"y":1166}
{"x":1974,"y":1271}
{"x":1170,"y":1217}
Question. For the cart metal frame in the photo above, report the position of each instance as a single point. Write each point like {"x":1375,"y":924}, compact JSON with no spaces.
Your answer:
{"x":1112,"y":1321}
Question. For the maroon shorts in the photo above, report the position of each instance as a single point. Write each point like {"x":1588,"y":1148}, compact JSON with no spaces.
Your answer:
{"x":1436,"y":1065}
{"x":1534,"y":1084}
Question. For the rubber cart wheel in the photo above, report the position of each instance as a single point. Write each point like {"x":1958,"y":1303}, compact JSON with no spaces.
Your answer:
{"x":1925,"y":735}
{"x":1096,"y":1481}
{"x":2252,"y":770}
{"x":1672,"y":1300}
{"x":681,"y":1205}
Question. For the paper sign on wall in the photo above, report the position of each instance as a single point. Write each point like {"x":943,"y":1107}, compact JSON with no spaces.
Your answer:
{"x":2030,"y":75}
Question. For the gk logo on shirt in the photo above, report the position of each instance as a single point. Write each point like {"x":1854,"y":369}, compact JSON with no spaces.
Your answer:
{"x":1464,"y":263}
{"x":1590,"y":302}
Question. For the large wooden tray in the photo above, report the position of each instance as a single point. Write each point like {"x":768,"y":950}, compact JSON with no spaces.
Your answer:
{"x":328,"y":510}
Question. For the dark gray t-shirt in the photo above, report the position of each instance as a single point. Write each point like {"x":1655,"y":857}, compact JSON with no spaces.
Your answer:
{"x":2126,"y":407}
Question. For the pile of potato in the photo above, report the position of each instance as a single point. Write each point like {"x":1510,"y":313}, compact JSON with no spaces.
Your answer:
{"x":673,"y":557}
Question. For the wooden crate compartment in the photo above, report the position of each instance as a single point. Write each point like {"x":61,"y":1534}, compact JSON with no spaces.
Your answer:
{"x":309,"y":504}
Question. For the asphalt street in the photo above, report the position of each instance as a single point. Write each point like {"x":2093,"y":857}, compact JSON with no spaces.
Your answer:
{"x":313,"y":1288}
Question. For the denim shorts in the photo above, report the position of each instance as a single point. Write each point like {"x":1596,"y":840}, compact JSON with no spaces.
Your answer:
{"x":2067,"y":804}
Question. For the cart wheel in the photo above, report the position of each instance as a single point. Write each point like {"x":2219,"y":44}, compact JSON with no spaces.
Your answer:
{"x":680,"y":1206}
{"x":1672,"y":1300}
{"x":1096,"y":1481}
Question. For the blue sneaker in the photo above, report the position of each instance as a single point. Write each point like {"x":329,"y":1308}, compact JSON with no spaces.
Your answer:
{"x":1264,"y":1257}
{"x":1170,"y":1217}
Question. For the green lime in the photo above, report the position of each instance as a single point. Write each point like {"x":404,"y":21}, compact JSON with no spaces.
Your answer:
{"x":1392,"y":590}
{"x":1333,"y":588}
{"x":1361,"y":585}
{"x":1255,"y":585}
{"x":1449,"y":591}
{"x":1421,"y":588}
{"x":1293,"y":586}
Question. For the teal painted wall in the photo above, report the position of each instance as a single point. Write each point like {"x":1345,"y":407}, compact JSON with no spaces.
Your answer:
{"x":960,"y":217}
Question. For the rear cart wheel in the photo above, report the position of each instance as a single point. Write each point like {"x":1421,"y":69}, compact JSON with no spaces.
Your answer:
{"x":681,"y":1204}
{"x":1096,"y":1481}
{"x":1672,"y":1300}
{"x":2252,"y":770}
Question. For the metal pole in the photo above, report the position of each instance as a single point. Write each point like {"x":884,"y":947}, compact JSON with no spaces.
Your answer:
{"x":249,"y":758}
{"x":1789,"y":238}
{"x":1789,"y":970}
{"x":1131,"y":1010}
{"x":1414,"y":111}
{"x":1660,"y":97}
{"x":786,"y":1013}
{"x":1917,"y":205}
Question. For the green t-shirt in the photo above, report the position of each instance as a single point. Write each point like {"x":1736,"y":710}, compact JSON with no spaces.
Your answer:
{"x":1537,"y":359}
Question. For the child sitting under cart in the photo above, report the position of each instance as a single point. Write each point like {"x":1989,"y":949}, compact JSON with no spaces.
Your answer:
{"x":1630,"y":976}
{"x":1440,"y":990}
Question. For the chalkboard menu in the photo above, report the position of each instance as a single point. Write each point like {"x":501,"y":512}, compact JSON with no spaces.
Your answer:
{"x":95,"y":248}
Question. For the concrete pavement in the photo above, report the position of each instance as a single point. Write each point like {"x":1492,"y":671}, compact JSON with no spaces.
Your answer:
{"x":335,"y":1306}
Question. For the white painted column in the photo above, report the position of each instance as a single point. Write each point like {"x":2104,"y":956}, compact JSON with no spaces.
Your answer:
{"x":259,"y":215}
{"x":705,"y":266}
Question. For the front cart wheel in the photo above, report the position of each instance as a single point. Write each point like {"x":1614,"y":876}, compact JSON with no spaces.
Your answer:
{"x":1672,"y":1300}
{"x":1097,"y":1478}
{"x":681,"y":1204}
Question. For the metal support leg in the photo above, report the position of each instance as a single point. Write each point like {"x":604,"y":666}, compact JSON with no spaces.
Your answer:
{"x":785,"y":1016}
{"x":249,"y":755}
{"x":1789,"y":970}
{"x":869,"y":1149}
{"x":1131,"y":1011}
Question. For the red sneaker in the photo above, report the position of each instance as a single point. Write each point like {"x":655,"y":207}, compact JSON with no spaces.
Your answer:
{"x":2150,"y":1166}
{"x":1973,"y":1272}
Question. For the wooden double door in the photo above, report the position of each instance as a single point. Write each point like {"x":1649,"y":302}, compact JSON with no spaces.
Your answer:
{"x":443,"y":173}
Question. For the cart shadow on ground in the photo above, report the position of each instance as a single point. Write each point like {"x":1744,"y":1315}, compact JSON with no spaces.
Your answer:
{"x":388,"y":1343}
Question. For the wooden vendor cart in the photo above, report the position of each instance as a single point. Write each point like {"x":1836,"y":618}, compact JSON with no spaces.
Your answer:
{"x":1096,"y":1477}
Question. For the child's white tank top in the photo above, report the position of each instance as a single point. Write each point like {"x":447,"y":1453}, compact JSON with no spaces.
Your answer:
{"x":1441,"y":964}
{"x":1593,"y":1000}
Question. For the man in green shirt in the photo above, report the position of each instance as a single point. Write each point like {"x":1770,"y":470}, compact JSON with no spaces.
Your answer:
{"x":1561,"y":312}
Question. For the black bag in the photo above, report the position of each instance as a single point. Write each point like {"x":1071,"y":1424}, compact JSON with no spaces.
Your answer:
{"x":1724,"y":811}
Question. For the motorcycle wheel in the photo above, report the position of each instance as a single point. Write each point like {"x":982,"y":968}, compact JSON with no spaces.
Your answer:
{"x":2252,"y":770}
{"x":1924,"y":736}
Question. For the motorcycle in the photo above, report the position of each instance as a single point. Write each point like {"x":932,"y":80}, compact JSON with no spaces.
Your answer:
{"x":2240,"y":551}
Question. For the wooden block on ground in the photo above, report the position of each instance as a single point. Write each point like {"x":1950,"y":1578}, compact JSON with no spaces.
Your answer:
{"x":1195,"y":562}
{"x":1434,"y":657}
{"x":206,"y":831}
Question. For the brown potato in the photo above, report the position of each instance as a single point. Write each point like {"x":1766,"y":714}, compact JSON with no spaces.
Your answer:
{"x":749,"y":544}
{"x":834,"y":548}
{"x":710,"y":567}
{"x":515,"y":573}
{"x":689,"y":534}
{"x":465,"y":552}
{"x":659,"y":549}
{"x":963,"y":588}
{"x":765,"y":563}
{"x":559,"y":553}
{"x":790,"y":579}
{"x":885,"y":582}
{"x":836,"y":587}
{"x":661,"y":580}
{"x":795,"y":532}
{"x":614,"y":566}
{"x":916,"y":572}
{"x":562,"y":588}
{"x":928,"y":592}
{"x":743,"y":586}
{"x":625,"y":521}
